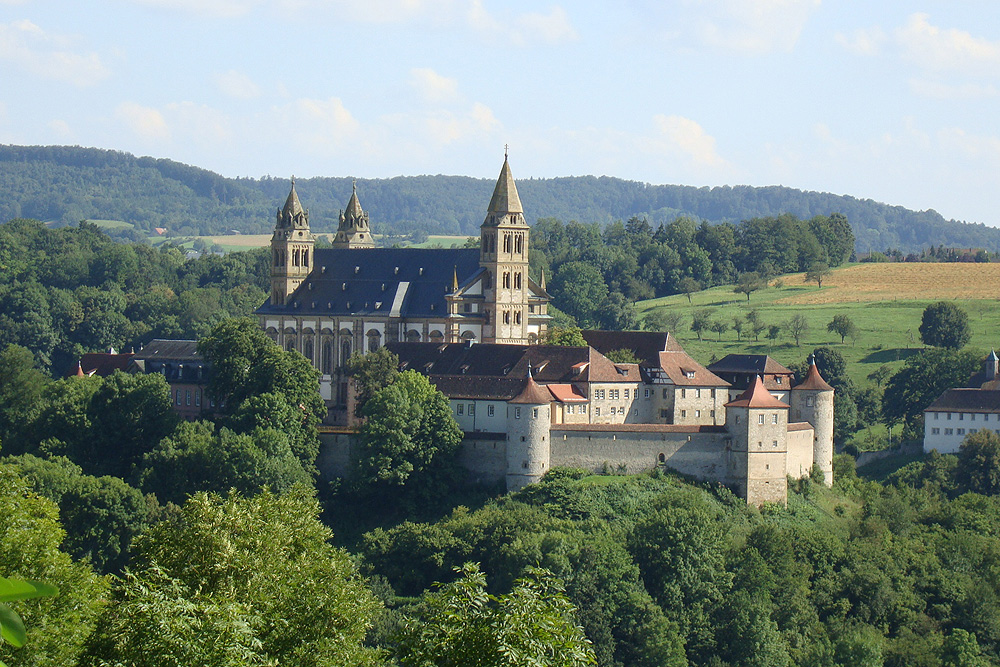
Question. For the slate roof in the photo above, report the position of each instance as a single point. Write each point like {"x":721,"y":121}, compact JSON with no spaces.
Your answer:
{"x":549,"y":363}
{"x":369,"y":281}
{"x":966,"y":400}
{"x":741,"y":369}
{"x":175,"y":350}
{"x":646,"y":345}
{"x":176,"y":360}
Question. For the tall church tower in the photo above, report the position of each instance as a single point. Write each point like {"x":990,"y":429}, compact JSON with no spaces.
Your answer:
{"x":353,"y":231}
{"x":503,"y":252}
{"x":291,"y":249}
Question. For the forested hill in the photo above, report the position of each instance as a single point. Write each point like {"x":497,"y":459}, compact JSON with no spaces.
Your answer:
{"x":67,"y":184}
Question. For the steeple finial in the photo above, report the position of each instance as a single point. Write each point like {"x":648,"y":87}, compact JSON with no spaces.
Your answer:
{"x":454,"y":280}
{"x":505,"y":147}
{"x":529,"y":370}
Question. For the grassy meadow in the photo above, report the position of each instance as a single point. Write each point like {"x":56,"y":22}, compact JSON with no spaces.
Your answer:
{"x":885,"y":301}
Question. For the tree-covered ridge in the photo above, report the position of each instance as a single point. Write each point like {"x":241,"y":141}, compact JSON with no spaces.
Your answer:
{"x":68,"y":184}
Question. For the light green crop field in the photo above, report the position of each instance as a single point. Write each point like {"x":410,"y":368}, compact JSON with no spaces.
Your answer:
{"x":112,"y":224}
{"x":885,"y":301}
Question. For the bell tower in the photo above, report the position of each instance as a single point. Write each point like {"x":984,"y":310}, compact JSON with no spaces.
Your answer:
{"x":291,"y":249}
{"x":503,"y":252}
{"x":353,"y":231}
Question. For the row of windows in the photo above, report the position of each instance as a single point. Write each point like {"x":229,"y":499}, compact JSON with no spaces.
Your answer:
{"x":300,"y":257}
{"x":506,"y":280}
{"x":961,"y":416}
{"x":697,"y":393}
{"x":183,"y":397}
{"x":684,"y":413}
{"x":957,"y":431}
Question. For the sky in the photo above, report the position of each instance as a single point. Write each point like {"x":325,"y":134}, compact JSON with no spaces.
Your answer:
{"x":890,"y":100}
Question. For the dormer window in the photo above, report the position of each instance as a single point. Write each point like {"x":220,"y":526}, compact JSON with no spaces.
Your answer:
{"x":777,"y":379}
{"x":689,"y":375}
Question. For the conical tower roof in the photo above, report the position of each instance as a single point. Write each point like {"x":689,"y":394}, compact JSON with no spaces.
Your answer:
{"x":505,"y":199}
{"x":533,"y":394}
{"x":814,"y":380}
{"x":353,"y":209}
{"x":292,"y":205}
{"x":756,"y":396}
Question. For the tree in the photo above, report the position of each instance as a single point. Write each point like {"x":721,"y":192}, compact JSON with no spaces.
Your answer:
{"x":580,"y":290}
{"x":773,"y":332}
{"x":798,"y":325}
{"x":662,"y":320}
{"x":246,"y":364}
{"x":235,"y":581}
{"x":738,"y":324}
{"x":21,"y":390}
{"x":944,"y":324}
{"x":371,"y":372}
{"x":719,"y":327}
{"x":565,"y":336}
{"x":922,"y":379}
{"x":843,"y":326}
{"x":701,"y":322}
{"x":30,"y":539}
{"x":11,"y":626}
{"x":461,"y":624}
{"x":748,"y":283}
{"x":409,"y":436}
{"x":979,"y":462}
{"x":688,"y":286}
{"x":817,"y":273}
{"x":623,"y":356}
{"x":880,"y":375}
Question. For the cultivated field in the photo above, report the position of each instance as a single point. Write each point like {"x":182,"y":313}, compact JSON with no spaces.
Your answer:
{"x":238,"y":242}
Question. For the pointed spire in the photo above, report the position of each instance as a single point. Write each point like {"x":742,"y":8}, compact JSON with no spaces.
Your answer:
{"x":505,"y":198}
{"x":79,"y":369}
{"x":454,"y":280}
{"x":541,"y":280}
{"x":353,"y":209}
{"x":813,"y":379}
{"x":292,"y":205}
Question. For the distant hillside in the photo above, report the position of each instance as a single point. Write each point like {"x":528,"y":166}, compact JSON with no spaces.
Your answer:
{"x":65,"y":184}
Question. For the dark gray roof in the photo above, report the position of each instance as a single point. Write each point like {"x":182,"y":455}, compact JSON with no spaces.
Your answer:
{"x":349,"y":281}
{"x":966,"y":400}
{"x":754,"y":364}
{"x":173,"y":350}
{"x":646,"y":345}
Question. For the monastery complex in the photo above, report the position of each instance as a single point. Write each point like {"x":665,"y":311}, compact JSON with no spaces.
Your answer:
{"x":474,"y":322}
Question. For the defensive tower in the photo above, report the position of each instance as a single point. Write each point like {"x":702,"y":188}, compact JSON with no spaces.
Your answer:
{"x":758,"y":425}
{"x":291,"y":249}
{"x":528,"y":425}
{"x":812,"y":401}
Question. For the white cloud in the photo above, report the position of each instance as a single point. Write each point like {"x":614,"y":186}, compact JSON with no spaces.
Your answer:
{"x":862,"y":42}
{"x":552,"y":28}
{"x":442,"y":127}
{"x":237,"y":85}
{"x":939,"y":49}
{"x":214,"y":8}
{"x":432,"y":86}
{"x":690,"y":139}
{"x":748,"y":26}
{"x":146,"y":122}
{"x":61,"y":129}
{"x":317,"y":126}
{"x":949,"y":91}
{"x":47,"y":55}
{"x":969,"y":146}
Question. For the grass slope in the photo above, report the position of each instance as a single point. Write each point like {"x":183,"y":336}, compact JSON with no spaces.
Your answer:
{"x":885,"y":301}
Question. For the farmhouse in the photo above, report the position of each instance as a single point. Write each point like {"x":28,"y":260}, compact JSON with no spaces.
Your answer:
{"x":962,"y":411}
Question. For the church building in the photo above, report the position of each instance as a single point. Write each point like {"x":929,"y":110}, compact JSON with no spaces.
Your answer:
{"x":354,"y":297}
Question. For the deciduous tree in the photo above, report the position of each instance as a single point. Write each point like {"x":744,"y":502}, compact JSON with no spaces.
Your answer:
{"x":843,"y":326}
{"x":944,"y":324}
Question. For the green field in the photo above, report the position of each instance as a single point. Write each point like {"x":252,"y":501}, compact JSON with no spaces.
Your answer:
{"x":112,"y":224}
{"x":885,"y":301}
{"x":238,"y":242}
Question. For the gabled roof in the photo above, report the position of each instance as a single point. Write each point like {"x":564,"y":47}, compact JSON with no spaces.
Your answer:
{"x":566,"y":393}
{"x":171,"y":350}
{"x":966,"y":400}
{"x":752,"y":364}
{"x":349,"y":281}
{"x":679,"y":366}
{"x":645,"y":345}
{"x":814,"y":380}
{"x":102,"y":363}
{"x":757,"y":396}
{"x":505,"y":199}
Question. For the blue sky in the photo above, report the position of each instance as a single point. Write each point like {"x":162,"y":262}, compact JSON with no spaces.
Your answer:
{"x":893,"y":101}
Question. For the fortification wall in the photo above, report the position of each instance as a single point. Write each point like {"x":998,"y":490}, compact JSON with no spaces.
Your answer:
{"x":484,"y":455}
{"x":800,"y":450}
{"x":334,"y":460}
{"x":701,"y":454}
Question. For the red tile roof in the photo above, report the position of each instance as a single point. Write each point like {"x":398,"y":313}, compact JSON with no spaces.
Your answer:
{"x":566,"y":393}
{"x":757,"y":396}
{"x":678,"y":364}
{"x":533,"y":394}
{"x":814,"y":380}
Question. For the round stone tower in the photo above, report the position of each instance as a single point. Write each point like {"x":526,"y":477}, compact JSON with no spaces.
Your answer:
{"x":528,"y":423}
{"x":812,"y":401}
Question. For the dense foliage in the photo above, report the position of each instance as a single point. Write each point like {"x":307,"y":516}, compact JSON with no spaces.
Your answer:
{"x":69,"y":184}
{"x":597,"y":273}
{"x":72,"y":290}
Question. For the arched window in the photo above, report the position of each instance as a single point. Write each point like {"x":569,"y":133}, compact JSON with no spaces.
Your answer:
{"x":412,"y":336}
{"x":305,"y":258}
{"x":506,"y":279}
{"x":506,"y":317}
{"x":517,"y":280}
{"x":307,"y":349}
{"x":290,"y":343}
{"x":517,"y":317}
{"x":506,"y":243}
{"x":436,"y":336}
{"x":519,"y":244}
{"x":327,"y":357}
{"x":374,"y":340}
{"x":345,"y":351}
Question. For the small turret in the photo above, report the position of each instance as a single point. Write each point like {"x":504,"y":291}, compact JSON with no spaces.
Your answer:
{"x":992,"y":366}
{"x":353,"y":230}
{"x":812,"y":402}
{"x":528,"y":424}
{"x":758,"y":459}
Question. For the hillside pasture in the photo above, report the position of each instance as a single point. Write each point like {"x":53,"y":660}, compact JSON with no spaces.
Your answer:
{"x":885,"y":302}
